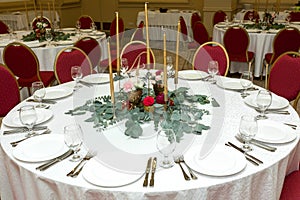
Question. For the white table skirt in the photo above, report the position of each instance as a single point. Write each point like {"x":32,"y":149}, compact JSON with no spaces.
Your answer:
{"x":167,"y":20}
{"x":21,"y":180}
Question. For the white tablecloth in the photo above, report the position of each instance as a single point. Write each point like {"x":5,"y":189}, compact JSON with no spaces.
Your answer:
{"x":18,"y":20}
{"x":169,"y":21}
{"x":22,"y":180}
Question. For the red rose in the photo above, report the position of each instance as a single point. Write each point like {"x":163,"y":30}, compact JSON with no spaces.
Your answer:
{"x":160,"y":98}
{"x":148,"y":101}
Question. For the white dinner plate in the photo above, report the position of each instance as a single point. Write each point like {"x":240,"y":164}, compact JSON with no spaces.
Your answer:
{"x":222,"y":161}
{"x":40,"y":148}
{"x":229,"y":83}
{"x":277,"y":101}
{"x":86,"y":30}
{"x":13,"y":119}
{"x":33,"y":44}
{"x":96,"y":173}
{"x":96,"y":78}
{"x":57,"y":92}
{"x":64,"y":42}
{"x":68,"y":29}
{"x":191,"y":74}
{"x":274,"y":132}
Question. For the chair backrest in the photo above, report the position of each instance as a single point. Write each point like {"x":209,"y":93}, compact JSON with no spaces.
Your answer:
{"x":183,"y":28}
{"x":211,"y":51}
{"x":284,"y":76}
{"x":113,"y":26}
{"x":3,"y":28}
{"x":138,"y":33}
{"x":200,"y":33}
{"x":195,"y":18}
{"x":295,"y":16}
{"x":68,"y":57}
{"x":85,"y":21}
{"x":92,"y":49}
{"x":287,"y":39}
{"x":219,"y":16}
{"x":236,"y":42}
{"x":136,"y":54}
{"x":21,"y":60}
{"x":9,"y":90}
{"x":254,"y":13}
{"x":44,"y":20}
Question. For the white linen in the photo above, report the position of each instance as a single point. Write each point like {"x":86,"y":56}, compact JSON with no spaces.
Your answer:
{"x":21,"y":180}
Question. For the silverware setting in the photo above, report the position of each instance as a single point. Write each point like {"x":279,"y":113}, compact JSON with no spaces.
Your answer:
{"x":15,"y":143}
{"x":151,"y":166}
{"x":293,"y":126}
{"x":48,"y":101}
{"x":257,"y":143}
{"x":193,"y":176}
{"x":248,"y":157}
{"x":153,"y":169}
{"x":186,"y":177}
{"x":282,"y":112}
{"x":23,"y":129}
{"x":73,"y":173}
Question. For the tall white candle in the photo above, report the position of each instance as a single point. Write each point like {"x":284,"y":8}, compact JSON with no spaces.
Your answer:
{"x":118,"y":43}
{"x":111,"y":79}
{"x":165,"y":71}
{"x":177,"y":51}
{"x":147,"y":34}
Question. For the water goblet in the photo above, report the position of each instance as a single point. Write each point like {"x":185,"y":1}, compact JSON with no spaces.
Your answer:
{"x":73,"y":138}
{"x":124,"y":66}
{"x":288,"y":19}
{"x":78,"y":26}
{"x":39,"y":92}
{"x":213,"y":69}
{"x":166,"y":143}
{"x":248,"y":129}
{"x":48,"y":36}
{"x":76,"y":74}
{"x":263,"y":101}
{"x":246,"y":81}
{"x":264,"y":25}
{"x":250,"y":16}
{"x":170,"y":68}
{"x":93,"y":27}
{"x":28,"y":118}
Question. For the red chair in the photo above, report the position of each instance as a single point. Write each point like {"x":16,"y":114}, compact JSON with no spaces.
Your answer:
{"x":43,"y":19}
{"x":3,"y":28}
{"x":290,"y":190}
{"x":183,"y":29}
{"x":254,"y":13}
{"x":22,"y":61}
{"x":195,"y":18}
{"x":284,"y":76}
{"x":295,"y":16}
{"x":9,"y":91}
{"x":138,"y":33}
{"x":219,"y":16}
{"x":92,"y":49}
{"x":211,"y":51}
{"x":236,"y":42}
{"x":200,"y":33}
{"x":85,"y":21}
{"x":136,"y":54}
{"x":287,"y":39}
{"x":68,"y":57}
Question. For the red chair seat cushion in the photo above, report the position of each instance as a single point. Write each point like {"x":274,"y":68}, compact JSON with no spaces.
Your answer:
{"x":46,"y":77}
{"x":268,"y":57}
{"x":242,"y":58}
{"x":291,"y":189}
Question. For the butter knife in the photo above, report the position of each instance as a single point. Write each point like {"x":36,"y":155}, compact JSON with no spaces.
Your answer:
{"x":154,"y":162}
{"x":258,"y":144}
{"x":55,"y":160}
{"x":145,"y":184}
{"x":23,"y":129}
{"x":244,"y":152}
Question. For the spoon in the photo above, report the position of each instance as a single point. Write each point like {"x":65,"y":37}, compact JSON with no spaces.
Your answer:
{"x":186,"y":177}
{"x":181,"y":159}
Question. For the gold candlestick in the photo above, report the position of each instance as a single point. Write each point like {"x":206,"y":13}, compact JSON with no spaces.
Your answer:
{"x":118,"y":43}
{"x":165,"y":71}
{"x":176,"y":56}
{"x":111,"y":79}
{"x":147,"y":35}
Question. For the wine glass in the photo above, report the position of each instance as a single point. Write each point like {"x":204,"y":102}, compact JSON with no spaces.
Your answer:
{"x":248,"y":129}
{"x":39,"y":92}
{"x":73,"y":138}
{"x":288,"y":19}
{"x":264,"y":25}
{"x":124,"y":66}
{"x":48,"y":36}
{"x":76,"y":74}
{"x":250,"y":16}
{"x":78,"y":26}
{"x":246,"y":81}
{"x":213,"y":69}
{"x":263,"y":101}
{"x":28,"y":118}
{"x":170,"y":69}
{"x":93,"y":27}
{"x":166,"y":143}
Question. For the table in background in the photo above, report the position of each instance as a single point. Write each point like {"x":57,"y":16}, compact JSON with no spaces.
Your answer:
{"x":22,"y":180}
{"x":18,"y":20}
{"x":168,"y":20}
{"x":281,"y":15}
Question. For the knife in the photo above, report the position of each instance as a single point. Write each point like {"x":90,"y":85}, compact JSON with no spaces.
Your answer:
{"x":153,"y":172}
{"x":43,"y":101}
{"x":244,"y":152}
{"x":145,"y":184}
{"x":258,"y":144}
{"x":23,"y":129}
{"x":214,"y":102}
{"x":55,"y":160}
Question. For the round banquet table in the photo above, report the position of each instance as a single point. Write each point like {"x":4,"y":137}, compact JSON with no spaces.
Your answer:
{"x":21,"y":179}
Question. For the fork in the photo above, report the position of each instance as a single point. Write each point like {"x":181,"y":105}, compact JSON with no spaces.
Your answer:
{"x":193,"y":176}
{"x":15,"y":143}
{"x":73,"y":172}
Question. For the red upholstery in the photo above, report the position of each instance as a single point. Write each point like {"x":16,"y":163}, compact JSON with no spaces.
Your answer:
{"x":291,"y":190}
{"x":138,"y":33}
{"x":284,"y":76}
{"x":200,"y":34}
{"x":183,"y":29}
{"x":9,"y":90}
{"x":22,"y":61}
{"x":295,"y":16}
{"x":254,"y":14}
{"x":113,"y":27}
{"x":195,"y":18}
{"x":40,"y":19}
{"x":211,"y":51}
{"x":136,"y":53}
{"x":92,"y":48}
{"x":219,"y":16}
{"x":3,"y":28}
{"x":68,"y":57}
{"x":85,"y":21}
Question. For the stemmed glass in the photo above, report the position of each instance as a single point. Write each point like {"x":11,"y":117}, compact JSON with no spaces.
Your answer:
{"x":39,"y":92}
{"x":166,"y":143}
{"x":250,"y":16}
{"x":48,"y":36}
{"x":263,"y":101}
{"x":213,"y":69}
{"x":264,"y":25}
{"x":124,"y":66}
{"x":76,"y":74}
{"x":248,"y":129}
{"x":28,"y":118}
{"x":288,"y":19}
{"x":93,"y":27}
{"x":246,"y":82}
{"x":73,"y":138}
{"x":170,"y":68}
{"x":78,"y":26}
